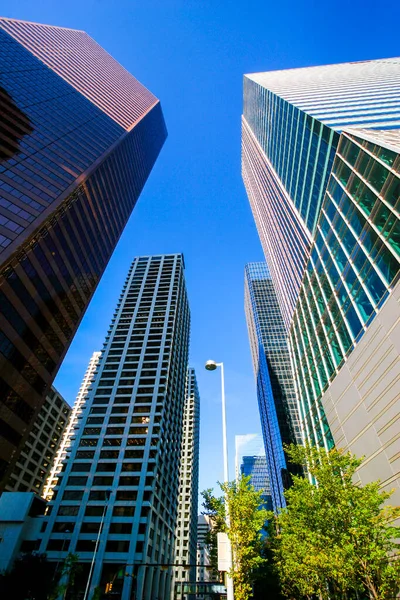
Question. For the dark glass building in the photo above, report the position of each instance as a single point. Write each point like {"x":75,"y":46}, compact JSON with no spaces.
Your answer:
{"x":274,"y":376}
{"x":78,"y":138}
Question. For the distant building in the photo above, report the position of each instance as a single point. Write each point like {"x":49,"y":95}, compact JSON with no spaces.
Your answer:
{"x":276,"y":392}
{"x":256,"y":468}
{"x":186,"y":531}
{"x":79,"y":136}
{"x":204,"y":573}
{"x":72,"y":426}
{"x":19,"y":525}
{"x":38,"y":454}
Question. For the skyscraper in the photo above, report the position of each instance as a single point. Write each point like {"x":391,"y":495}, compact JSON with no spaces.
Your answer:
{"x":78,"y":139}
{"x":123,"y":464}
{"x":73,"y":423}
{"x":321,"y":167}
{"x":186,"y":529}
{"x":276,"y":392}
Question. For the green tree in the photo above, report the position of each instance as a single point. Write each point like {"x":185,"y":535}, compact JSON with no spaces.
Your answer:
{"x":29,"y":578}
{"x":247,"y":520}
{"x":336,"y":537}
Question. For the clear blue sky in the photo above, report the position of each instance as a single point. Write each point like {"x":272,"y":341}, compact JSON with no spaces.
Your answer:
{"x":192,"y":54}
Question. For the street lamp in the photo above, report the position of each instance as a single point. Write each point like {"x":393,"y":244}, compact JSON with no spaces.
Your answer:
{"x":211,"y":365}
{"x":62,"y":552}
{"x":107,"y":497}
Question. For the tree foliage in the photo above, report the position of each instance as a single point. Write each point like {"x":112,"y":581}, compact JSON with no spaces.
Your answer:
{"x":247,"y":518}
{"x":31,"y":577}
{"x":335,"y":538}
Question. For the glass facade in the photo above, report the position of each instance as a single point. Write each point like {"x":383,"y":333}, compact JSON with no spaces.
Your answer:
{"x":71,"y":170}
{"x":300,"y":148}
{"x":274,"y":377}
{"x":256,"y":468}
{"x":320,"y":162}
{"x":292,"y":120}
{"x":128,"y":439}
{"x":353,"y":266}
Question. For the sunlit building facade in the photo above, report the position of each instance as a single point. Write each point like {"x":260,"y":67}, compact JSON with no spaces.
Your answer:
{"x":40,"y":450}
{"x":121,"y":476}
{"x":78,"y":140}
{"x":321,"y":167}
{"x":186,"y":529}
{"x":71,"y":427}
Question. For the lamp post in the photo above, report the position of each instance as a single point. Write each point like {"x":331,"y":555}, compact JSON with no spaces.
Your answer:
{"x":62,"y":552}
{"x":211,"y":365}
{"x":107,"y":497}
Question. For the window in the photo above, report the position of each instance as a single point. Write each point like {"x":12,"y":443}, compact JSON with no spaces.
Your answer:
{"x":123,"y":511}
{"x":117,"y":546}
{"x":121,"y":528}
{"x":94,"y":511}
{"x":126,"y":495}
{"x":100,"y":480}
{"x":74,"y":480}
{"x":104,"y":466}
{"x":68,"y":511}
{"x":90,"y":527}
{"x":73,"y":495}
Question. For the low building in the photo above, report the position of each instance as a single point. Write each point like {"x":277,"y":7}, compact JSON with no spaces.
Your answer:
{"x":203,"y":556}
{"x":20,"y":525}
{"x":38,"y":454}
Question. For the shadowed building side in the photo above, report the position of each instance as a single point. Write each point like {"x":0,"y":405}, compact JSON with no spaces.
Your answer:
{"x":72,"y":168}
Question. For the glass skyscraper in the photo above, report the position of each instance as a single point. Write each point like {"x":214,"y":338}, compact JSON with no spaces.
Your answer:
{"x":321,"y":167}
{"x":274,"y":376}
{"x":121,"y":476}
{"x":78,"y":139}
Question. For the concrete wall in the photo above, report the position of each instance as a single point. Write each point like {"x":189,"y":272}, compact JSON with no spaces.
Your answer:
{"x":362,"y":404}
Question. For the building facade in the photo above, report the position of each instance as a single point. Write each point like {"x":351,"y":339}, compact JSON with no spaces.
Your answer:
{"x":276,"y":391}
{"x":41,"y":447}
{"x":62,"y":453}
{"x":321,"y":167}
{"x":122,"y":475}
{"x":186,"y":530}
{"x":78,"y":140}
{"x":256,"y":468}
{"x":21,"y":520}
{"x":203,"y":572}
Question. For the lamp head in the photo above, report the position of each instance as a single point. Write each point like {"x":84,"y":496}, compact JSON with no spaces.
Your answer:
{"x":211,"y":365}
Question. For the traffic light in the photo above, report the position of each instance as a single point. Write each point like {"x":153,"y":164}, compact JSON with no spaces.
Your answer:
{"x":109,"y":587}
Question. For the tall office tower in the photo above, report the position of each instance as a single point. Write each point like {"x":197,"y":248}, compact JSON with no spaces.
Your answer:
{"x":186,"y":529}
{"x":321,"y":166}
{"x":73,"y":424}
{"x":256,"y":468}
{"x":276,"y":392}
{"x":120,"y":483}
{"x":40,"y":449}
{"x":78,"y":139}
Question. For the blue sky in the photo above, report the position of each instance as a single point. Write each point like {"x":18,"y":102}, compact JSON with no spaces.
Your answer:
{"x":192,"y":54}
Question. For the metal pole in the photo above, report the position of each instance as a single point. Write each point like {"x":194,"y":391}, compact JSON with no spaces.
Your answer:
{"x":229,"y":581}
{"x":95,"y":551}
